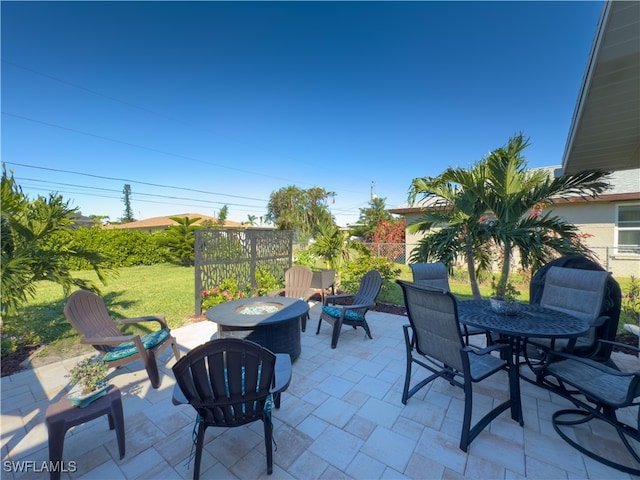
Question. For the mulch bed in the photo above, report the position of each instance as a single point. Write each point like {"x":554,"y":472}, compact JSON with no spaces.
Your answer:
{"x":11,"y":363}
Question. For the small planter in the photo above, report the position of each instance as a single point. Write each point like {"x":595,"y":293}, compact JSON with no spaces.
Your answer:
{"x":503,"y":307}
{"x":77,"y":399}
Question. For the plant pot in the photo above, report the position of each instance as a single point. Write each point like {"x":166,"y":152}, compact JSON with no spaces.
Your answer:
{"x":503,"y":307}
{"x":80,"y":400}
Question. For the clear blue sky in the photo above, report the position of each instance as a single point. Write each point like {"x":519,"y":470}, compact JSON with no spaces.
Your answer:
{"x":226,"y":102}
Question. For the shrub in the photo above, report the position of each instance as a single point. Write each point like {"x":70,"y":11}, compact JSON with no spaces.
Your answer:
{"x":228,"y":290}
{"x":354,"y":270}
{"x":265,"y":282}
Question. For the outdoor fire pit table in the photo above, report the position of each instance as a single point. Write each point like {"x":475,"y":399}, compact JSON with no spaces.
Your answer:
{"x":273,"y":322}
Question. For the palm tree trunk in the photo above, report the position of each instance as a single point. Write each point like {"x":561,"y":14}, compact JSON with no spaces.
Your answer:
{"x":504,"y":275}
{"x":471,"y":268}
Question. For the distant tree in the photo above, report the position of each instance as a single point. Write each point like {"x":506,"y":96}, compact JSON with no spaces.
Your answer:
{"x":128,"y":212}
{"x":180,"y":239}
{"x":37,"y":241}
{"x":222,"y":216}
{"x":292,"y":208}
{"x":251,"y":220}
{"x":371,"y":216}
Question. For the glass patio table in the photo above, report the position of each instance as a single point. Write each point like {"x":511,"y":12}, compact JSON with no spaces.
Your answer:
{"x":531,"y":321}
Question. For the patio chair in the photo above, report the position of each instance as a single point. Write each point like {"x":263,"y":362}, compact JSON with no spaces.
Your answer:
{"x":598,"y":391}
{"x":433,"y":340}
{"x":353,"y":314}
{"x":435,"y":275}
{"x":231,"y":382}
{"x":297,"y":284}
{"x":583,"y":289}
{"x":87,"y":313}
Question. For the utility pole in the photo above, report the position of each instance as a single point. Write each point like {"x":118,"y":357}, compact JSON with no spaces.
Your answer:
{"x":373,"y":191}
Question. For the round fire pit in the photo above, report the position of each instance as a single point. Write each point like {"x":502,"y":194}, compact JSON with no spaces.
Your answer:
{"x":271,"y":322}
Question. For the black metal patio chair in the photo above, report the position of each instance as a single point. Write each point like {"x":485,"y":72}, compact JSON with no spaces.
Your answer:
{"x":433,"y":340}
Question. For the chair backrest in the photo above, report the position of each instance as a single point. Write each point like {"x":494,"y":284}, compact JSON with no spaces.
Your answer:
{"x":369,"y":287}
{"x":227,"y":380}
{"x":431,"y":274}
{"x":297,"y":282}
{"x":87,"y":313}
{"x":611,"y":303}
{"x":433,"y":315}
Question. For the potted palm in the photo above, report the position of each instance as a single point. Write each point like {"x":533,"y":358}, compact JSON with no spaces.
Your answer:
{"x":89,"y":379}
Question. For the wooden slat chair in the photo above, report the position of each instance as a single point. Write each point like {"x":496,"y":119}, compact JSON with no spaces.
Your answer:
{"x":87,"y":313}
{"x":598,"y":391}
{"x":433,"y":341}
{"x":353,"y":314}
{"x":231,"y":382}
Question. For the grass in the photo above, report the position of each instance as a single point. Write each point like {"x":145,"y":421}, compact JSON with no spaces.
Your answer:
{"x":163,"y":289}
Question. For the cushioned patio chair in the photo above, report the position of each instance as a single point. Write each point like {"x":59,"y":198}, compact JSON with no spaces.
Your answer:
{"x":353,"y":314}
{"x":433,"y":340}
{"x":87,"y":313}
{"x":231,"y":382}
{"x":577,"y":290}
{"x":598,"y":391}
{"x":297,"y":284}
{"x":435,"y":275}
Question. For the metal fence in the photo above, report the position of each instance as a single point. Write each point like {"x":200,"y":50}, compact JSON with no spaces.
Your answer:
{"x":621,"y":262}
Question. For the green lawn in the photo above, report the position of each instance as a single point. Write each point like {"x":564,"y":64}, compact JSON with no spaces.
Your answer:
{"x":146,"y":290}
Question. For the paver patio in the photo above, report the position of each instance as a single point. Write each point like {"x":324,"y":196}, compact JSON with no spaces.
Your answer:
{"x":341,"y":418}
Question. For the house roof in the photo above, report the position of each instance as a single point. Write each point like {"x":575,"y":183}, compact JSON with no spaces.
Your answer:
{"x":605,"y":129}
{"x":625,"y":185}
{"x":158,"y":223}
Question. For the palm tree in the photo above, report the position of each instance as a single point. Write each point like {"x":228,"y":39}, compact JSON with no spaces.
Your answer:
{"x":515,"y":196}
{"x":500,"y":200}
{"x":37,"y":244}
{"x":456,"y":214}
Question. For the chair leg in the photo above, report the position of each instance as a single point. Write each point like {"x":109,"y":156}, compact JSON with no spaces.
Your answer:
{"x":176,"y":352}
{"x":303,"y":321}
{"x":268,"y":443}
{"x":152,"y":369}
{"x":319,"y":324}
{"x":466,"y":423}
{"x":199,"y":445}
{"x":337,"y":326}
{"x":366,"y":329}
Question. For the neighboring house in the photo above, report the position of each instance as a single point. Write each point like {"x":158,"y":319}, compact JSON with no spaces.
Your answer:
{"x":161,"y":223}
{"x":610,"y":222}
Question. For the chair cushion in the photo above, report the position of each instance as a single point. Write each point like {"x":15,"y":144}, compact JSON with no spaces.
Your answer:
{"x":129,"y":348}
{"x":335,"y":312}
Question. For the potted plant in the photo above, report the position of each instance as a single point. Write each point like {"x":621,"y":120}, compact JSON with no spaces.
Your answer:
{"x":88,"y":376}
{"x":507,"y":303}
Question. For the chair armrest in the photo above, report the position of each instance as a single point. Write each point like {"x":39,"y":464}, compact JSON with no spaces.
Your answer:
{"x":599,"y":321}
{"x":108,"y":340}
{"x":486,"y":350}
{"x":283,"y":373}
{"x":178,"y":397}
{"x":587,"y":361}
{"x":357,"y":306}
{"x":621,"y":345}
{"x":333,"y":298}
{"x":150,"y":318}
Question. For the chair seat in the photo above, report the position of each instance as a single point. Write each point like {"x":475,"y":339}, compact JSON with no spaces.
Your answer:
{"x":482,"y":366}
{"x":603,"y":383}
{"x":350,"y":315}
{"x":127,"y":349}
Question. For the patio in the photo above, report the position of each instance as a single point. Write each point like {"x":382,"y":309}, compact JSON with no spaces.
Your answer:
{"x":341,"y":418}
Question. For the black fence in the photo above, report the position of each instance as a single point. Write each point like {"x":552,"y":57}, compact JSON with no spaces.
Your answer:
{"x":237,"y":254}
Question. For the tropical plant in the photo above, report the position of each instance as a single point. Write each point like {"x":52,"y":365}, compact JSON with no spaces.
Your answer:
{"x":500,"y":201}
{"x":334,"y":246}
{"x":516,"y":195}
{"x":33,"y":248}
{"x":265,"y":282}
{"x":180,"y":239}
{"x":453,"y":221}
{"x":89,"y":374}
{"x":371,"y":217}
{"x":292,"y":208}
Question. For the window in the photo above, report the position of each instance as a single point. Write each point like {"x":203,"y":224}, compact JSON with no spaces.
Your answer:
{"x":629,"y":228}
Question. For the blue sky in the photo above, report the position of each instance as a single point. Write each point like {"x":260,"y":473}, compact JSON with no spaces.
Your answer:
{"x":201,"y":104}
